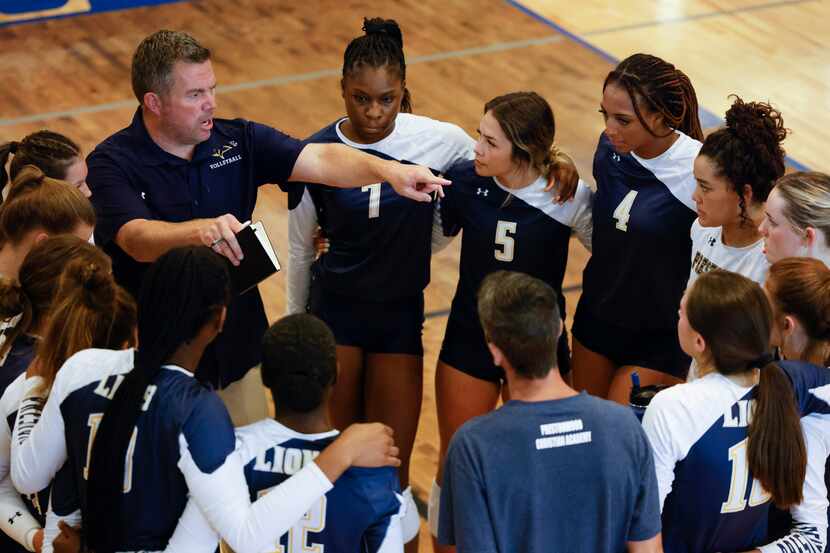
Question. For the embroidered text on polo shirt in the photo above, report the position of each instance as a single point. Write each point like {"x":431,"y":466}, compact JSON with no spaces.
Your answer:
{"x":220,"y":153}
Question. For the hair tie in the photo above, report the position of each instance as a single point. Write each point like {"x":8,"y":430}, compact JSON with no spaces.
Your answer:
{"x":761,"y":361}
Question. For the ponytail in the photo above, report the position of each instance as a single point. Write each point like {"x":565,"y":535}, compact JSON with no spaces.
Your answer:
{"x":90,"y":310}
{"x":31,"y":296}
{"x":734,"y":317}
{"x":776,"y":452}
{"x":181,"y":292}
{"x":13,"y":303}
{"x":36,"y":201}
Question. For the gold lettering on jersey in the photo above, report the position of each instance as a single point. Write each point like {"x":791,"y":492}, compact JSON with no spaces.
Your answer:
{"x":104,"y":389}
{"x":148,"y":396}
{"x":286,"y":460}
{"x":702,"y":265}
{"x":739,"y":414}
{"x":224,"y":162}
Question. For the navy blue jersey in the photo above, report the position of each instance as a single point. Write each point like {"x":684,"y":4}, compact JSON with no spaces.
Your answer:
{"x":643,"y":212}
{"x":514,"y":230}
{"x":710,"y":500}
{"x":361,"y":512}
{"x":176,"y":409}
{"x":17,"y":360}
{"x":379,"y":241}
{"x":36,"y":504}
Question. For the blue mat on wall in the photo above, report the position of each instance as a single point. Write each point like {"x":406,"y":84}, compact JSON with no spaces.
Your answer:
{"x":21,"y":11}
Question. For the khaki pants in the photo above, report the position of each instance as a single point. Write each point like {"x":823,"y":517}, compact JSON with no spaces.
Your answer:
{"x":245,"y":399}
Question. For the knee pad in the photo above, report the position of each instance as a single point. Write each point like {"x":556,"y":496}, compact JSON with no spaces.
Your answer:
{"x":433,"y":507}
{"x":411,"y":521}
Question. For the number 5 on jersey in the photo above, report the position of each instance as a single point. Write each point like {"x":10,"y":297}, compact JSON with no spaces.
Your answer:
{"x":504,"y":242}
{"x":623,"y":211}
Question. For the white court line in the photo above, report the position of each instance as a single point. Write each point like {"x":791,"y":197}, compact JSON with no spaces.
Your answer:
{"x":493,"y":48}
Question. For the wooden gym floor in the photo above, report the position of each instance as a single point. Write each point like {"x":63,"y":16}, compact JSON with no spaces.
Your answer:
{"x":279,"y":63}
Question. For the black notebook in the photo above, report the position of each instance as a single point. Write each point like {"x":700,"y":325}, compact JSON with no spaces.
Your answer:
{"x":259,"y":258}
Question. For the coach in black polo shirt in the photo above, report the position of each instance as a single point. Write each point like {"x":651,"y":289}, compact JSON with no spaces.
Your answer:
{"x":176,"y":176}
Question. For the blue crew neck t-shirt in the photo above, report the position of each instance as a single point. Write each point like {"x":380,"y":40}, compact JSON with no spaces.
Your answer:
{"x":574,"y":474}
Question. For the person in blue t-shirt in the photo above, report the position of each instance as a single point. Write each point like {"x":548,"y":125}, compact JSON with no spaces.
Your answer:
{"x":552,"y":469}
{"x":362,"y":511}
{"x":178,"y":176}
{"x":508,"y":222}
{"x":729,"y":445}
{"x":643,"y":212}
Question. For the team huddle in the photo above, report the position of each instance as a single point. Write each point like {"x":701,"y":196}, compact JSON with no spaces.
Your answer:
{"x":689,"y":410}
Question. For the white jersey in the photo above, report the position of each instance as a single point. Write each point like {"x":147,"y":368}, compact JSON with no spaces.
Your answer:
{"x":187,"y":465}
{"x":709,"y":499}
{"x":710,"y":253}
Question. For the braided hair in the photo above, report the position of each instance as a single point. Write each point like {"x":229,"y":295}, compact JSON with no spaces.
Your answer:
{"x":51,"y":152}
{"x":748,"y":150}
{"x":181,"y":292}
{"x":658,"y":87}
{"x":381,"y":46}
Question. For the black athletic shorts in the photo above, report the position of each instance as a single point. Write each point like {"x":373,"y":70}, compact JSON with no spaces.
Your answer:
{"x":394,"y":326}
{"x":658,"y":349}
{"x":465,"y":349}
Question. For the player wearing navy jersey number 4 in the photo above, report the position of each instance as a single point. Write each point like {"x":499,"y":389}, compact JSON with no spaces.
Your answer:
{"x":643,"y":210}
{"x":363,"y":511}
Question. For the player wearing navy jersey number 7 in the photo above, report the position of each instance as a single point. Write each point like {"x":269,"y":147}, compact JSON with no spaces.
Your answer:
{"x":368,"y":286}
{"x":643,"y":210}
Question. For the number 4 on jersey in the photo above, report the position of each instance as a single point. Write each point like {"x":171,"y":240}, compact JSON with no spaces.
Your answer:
{"x":623,"y":211}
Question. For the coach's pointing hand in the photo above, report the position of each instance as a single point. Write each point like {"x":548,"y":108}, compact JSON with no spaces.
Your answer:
{"x":413,"y":181}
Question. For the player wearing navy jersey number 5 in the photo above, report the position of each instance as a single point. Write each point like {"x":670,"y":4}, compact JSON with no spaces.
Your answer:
{"x":509,"y":222}
{"x":142,"y":436}
{"x":643,"y":210}
{"x":729,"y":445}
{"x":361,"y":512}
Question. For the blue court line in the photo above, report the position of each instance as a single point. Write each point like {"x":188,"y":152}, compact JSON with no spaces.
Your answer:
{"x":707,"y":118}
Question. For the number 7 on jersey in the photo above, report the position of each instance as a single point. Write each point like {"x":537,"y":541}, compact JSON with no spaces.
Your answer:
{"x":623,"y":211}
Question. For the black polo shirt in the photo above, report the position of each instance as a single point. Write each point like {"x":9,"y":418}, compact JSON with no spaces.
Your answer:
{"x":131,"y":177}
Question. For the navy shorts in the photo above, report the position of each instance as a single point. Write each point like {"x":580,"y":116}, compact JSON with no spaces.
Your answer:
{"x":392,"y":326}
{"x":465,"y":349}
{"x":656,"y":349}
